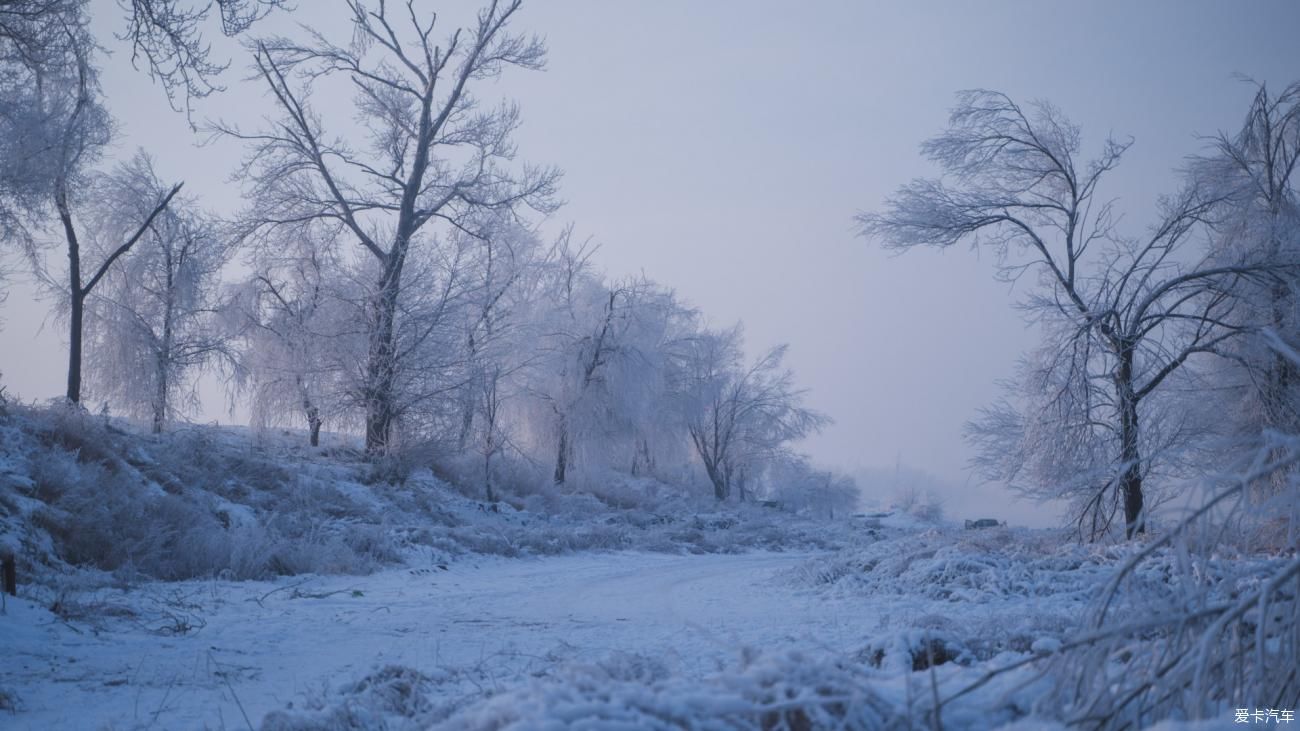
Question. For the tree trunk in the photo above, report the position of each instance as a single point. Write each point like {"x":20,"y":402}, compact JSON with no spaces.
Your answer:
{"x":466,"y":424}
{"x":312,"y":411}
{"x":381,"y":370}
{"x":487,"y":475}
{"x":562,"y":454}
{"x":719,"y":481}
{"x":164,"y":359}
{"x":77,"y":297}
{"x":75,"y":316}
{"x":1130,"y":483}
{"x":160,"y":395}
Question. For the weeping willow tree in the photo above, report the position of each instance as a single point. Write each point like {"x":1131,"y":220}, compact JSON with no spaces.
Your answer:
{"x":156,"y":316}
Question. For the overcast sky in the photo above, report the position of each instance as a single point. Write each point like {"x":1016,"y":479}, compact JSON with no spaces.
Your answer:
{"x":722,"y":148}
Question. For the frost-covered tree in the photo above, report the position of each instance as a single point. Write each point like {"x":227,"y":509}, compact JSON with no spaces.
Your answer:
{"x":1121,"y":315}
{"x":294,"y":321}
{"x":584,"y":340}
{"x":740,"y":417}
{"x":155,"y":316}
{"x":505,"y":278}
{"x":427,"y":153}
{"x":1254,"y":171}
{"x":796,"y":485}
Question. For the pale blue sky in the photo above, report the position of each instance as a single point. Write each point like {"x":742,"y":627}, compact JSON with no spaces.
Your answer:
{"x":723,"y":148}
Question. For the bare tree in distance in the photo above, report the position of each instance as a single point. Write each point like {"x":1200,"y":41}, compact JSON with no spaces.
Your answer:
{"x":1129,"y":312}
{"x":293,"y":313}
{"x":740,"y":416}
{"x":434,"y":155}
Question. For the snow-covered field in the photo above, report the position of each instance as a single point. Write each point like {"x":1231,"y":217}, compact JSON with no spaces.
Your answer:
{"x":489,"y":642}
{"x":203,"y":580}
{"x":198,"y":654}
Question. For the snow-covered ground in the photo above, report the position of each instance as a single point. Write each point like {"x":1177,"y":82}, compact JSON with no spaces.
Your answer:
{"x":207,"y":654}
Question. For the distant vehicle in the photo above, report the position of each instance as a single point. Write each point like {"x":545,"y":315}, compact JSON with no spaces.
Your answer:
{"x":984,"y":523}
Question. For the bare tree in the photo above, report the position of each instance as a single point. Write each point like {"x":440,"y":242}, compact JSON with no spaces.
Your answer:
{"x":433,"y":153}
{"x":155,"y":316}
{"x":740,"y":416}
{"x":584,"y":342}
{"x":1125,"y":314}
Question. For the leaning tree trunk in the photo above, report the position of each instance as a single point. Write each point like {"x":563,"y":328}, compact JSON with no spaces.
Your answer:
{"x":77,"y":298}
{"x":1130,"y":482}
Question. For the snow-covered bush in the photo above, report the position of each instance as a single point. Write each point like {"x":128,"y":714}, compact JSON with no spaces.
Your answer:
{"x":1225,"y":632}
{"x":788,"y":690}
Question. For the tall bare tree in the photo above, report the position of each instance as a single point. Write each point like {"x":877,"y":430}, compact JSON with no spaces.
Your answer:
{"x":432,"y":153}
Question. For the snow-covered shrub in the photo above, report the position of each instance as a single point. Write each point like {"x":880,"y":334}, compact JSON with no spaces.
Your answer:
{"x":964,"y":566}
{"x":915,"y":649}
{"x":1225,"y":632}
{"x":789,"y":690}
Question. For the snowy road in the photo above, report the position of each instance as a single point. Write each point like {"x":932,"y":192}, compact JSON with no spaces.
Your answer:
{"x":255,"y":647}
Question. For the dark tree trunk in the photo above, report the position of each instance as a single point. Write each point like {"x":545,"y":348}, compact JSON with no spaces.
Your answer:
{"x":160,"y":396}
{"x":76,"y":290}
{"x":1130,"y":483}
{"x":312,"y":411}
{"x":381,"y":370}
{"x":719,"y":481}
{"x":77,"y":299}
{"x":164,"y":360}
{"x":562,"y":454}
{"x":75,"y":317}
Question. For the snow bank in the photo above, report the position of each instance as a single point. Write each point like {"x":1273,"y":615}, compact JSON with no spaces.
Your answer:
{"x":81,"y":491}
